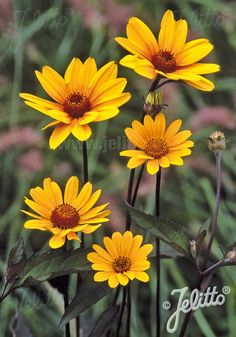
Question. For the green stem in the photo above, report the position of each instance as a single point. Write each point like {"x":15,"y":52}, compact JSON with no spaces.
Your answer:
{"x":121,"y":312}
{"x":158,"y":260}
{"x":213,"y":232}
{"x":82,"y":244}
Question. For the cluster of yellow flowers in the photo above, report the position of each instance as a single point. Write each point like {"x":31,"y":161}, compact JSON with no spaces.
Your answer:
{"x":88,"y":95}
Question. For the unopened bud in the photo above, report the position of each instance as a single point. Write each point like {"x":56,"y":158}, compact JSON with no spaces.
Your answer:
{"x":216,"y":141}
{"x":193,"y":247}
{"x":154,"y":103}
{"x":231,"y":256}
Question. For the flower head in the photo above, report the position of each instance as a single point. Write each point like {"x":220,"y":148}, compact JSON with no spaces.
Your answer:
{"x":66,"y":215}
{"x":123,"y":259}
{"x":157,"y":145}
{"x":170,"y":56}
{"x":84,"y":95}
{"x":216,"y":141}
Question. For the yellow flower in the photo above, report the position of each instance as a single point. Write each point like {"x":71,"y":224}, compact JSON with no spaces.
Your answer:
{"x":66,"y":215}
{"x":157,"y":145}
{"x":84,"y":95}
{"x":171,"y":56}
{"x":123,"y":259}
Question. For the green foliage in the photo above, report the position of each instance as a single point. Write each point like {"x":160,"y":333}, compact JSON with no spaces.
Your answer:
{"x":164,"y":229}
{"x":89,"y":293}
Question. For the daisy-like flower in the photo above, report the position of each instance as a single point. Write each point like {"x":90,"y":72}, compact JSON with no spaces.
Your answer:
{"x":123,"y":259}
{"x":170,"y":56}
{"x":157,"y":145}
{"x":66,"y":215}
{"x":84,"y":95}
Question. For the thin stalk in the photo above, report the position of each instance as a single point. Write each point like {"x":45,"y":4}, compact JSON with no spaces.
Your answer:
{"x":82,"y":244}
{"x":213,"y":232}
{"x":128,"y":321}
{"x":158,"y":260}
{"x":121,"y":312}
{"x":129,"y":197}
{"x":66,"y":303}
{"x":137,"y":185}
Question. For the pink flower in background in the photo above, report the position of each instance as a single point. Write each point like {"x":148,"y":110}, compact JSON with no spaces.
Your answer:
{"x":109,"y":12}
{"x":5,"y":13}
{"x":89,"y":13}
{"x":31,"y":161}
{"x":213,"y":116}
{"x":18,"y":137}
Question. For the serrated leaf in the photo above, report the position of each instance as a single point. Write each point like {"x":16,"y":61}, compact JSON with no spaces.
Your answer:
{"x":166,"y":230}
{"x":16,"y":261}
{"x":105,"y":321}
{"x":45,"y":266}
{"x":89,"y":293}
{"x":48,"y":265}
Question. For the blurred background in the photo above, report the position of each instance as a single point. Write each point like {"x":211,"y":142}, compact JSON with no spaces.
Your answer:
{"x":37,"y":33}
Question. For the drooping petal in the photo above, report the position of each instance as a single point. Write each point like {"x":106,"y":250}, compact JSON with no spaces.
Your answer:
{"x":57,"y":241}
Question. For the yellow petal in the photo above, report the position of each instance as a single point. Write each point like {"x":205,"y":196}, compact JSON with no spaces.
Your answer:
{"x":73,"y":236}
{"x":130,"y":61}
{"x":83,"y":196}
{"x":142,"y":276}
{"x":123,"y":279}
{"x":139,"y":33}
{"x":91,"y":202}
{"x":51,"y":88}
{"x":103,"y":75}
{"x":72,"y":74}
{"x":59,"y":134}
{"x":71,"y":190}
{"x":86,"y":76}
{"x":57,"y":241}
{"x":172,"y":129}
{"x":203,"y":84}
{"x":113,"y":281}
{"x":102,"y":252}
{"x":174,"y":159}
{"x":181,"y":31}
{"x":90,"y":229}
{"x":164,"y":162}
{"x":166,"y":36}
{"x":193,"y":51}
{"x":102,"y":276}
{"x":38,"y":224}
{"x":152,"y":166}
{"x":135,"y":162}
{"x":81,"y":132}
{"x":110,"y":247}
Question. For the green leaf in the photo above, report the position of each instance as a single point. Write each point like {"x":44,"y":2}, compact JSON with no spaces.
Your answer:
{"x":22,"y":272}
{"x":166,"y":230}
{"x":48,"y":265}
{"x":15,"y":264}
{"x":89,"y":293}
{"x":105,"y":321}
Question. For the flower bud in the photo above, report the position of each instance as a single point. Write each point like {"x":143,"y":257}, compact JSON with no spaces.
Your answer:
{"x":193,"y":247}
{"x":231,"y":256}
{"x":154,"y":103}
{"x":216,"y":141}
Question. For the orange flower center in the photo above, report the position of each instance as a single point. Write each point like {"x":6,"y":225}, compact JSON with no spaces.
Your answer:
{"x":65,"y":216}
{"x":164,"y":61}
{"x":156,"y":148}
{"x":121,"y":264}
{"x":76,"y":105}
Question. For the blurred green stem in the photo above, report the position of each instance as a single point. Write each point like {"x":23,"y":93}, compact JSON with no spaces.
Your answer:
{"x":121,"y":312}
{"x":158,"y":260}
{"x":82,"y":244}
{"x":213,"y":232}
